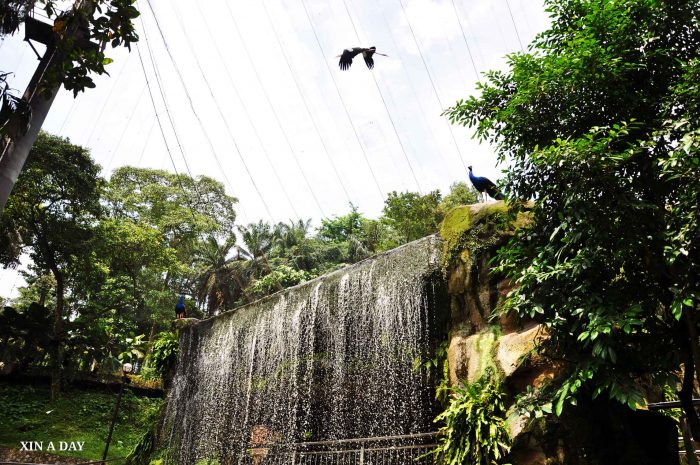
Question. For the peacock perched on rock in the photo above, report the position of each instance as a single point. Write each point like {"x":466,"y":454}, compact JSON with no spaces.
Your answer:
{"x":484,"y":186}
{"x":180,"y":311}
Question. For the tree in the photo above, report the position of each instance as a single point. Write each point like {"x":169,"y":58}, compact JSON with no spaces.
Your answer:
{"x":124,"y":274}
{"x":341,"y":228}
{"x":185,"y":211}
{"x":220,"y":277}
{"x":296,"y":248}
{"x":352,"y":237}
{"x":412,"y":215}
{"x":600,"y":124}
{"x":23,"y":336}
{"x":181,"y":207}
{"x":460,"y":194}
{"x":281,"y":277}
{"x":51,"y":213}
{"x":258,"y":241}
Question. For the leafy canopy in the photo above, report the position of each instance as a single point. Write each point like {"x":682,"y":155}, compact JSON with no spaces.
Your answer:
{"x":79,"y":36}
{"x":599,"y":122}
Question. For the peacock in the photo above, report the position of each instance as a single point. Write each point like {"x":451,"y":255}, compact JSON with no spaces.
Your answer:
{"x":484,"y":186}
{"x":180,"y":311}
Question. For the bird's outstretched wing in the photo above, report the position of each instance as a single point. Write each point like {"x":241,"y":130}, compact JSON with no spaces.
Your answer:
{"x":367,"y":55}
{"x":347,"y":56}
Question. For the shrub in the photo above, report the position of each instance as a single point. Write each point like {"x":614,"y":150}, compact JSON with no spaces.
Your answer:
{"x":165,"y":350}
{"x":475,"y":431}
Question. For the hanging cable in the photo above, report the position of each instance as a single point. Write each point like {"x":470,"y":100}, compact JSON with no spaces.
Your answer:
{"x":387,"y":143}
{"x":68,"y":115}
{"x":342,"y":101}
{"x":115,"y":84}
{"x":269,"y":102}
{"x":517,"y":34}
{"x":199,"y":120}
{"x":376,"y":84}
{"x":476,"y":35}
{"x":156,"y":72}
{"x":135,"y":139}
{"x":528,"y":26}
{"x":121,"y":136}
{"x":223,"y":118}
{"x":466,"y":42}
{"x":496,"y":16}
{"x":417,"y":99}
{"x":245,"y":108}
{"x":148,"y":138}
{"x":162,"y":132}
{"x":432,"y":83}
{"x":306,"y":105}
{"x":196,"y":114}
{"x":172,"y":122}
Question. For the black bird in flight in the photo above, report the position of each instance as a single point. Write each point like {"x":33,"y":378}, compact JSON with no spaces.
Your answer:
{"x":484,"y":186}
{"x":350,"y":53}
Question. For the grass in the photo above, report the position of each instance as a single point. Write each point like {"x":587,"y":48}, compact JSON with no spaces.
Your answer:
{"x":79,"y":415}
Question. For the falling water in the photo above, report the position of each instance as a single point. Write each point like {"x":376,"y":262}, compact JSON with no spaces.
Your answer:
{"x":336,"y":357}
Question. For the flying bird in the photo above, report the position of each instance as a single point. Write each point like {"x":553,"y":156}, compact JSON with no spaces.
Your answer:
{"x":484,"y":186}
{"x":180,"y":308}
{"x":350,"y":53}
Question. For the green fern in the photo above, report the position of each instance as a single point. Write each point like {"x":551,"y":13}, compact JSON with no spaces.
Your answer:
{"x":474,"y":430}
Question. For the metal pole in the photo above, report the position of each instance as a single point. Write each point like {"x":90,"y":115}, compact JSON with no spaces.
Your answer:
{"x":114,"y":420}
{"x":15,"y":153}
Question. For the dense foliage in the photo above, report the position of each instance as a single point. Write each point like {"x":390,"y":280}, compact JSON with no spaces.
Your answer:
{"x":50,"y":217}
{"x":165,"y":350}
{"x":110,"y":258}
{"x":474,"y":429}
{"x":599,"y":123}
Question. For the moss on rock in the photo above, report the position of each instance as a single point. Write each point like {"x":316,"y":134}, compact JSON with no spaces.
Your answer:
{"x":471,"y":358}
{"x":484,"y":349}
{"x":182,"y":323}
{"x":468,"y":230}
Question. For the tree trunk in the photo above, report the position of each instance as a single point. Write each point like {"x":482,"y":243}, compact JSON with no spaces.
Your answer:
{"x":154,"y":324}
{"x":691,"y":328}
{"x":57,"y":339}
{"x":15,"y":153}
{"x":688,"y":444}
{"x":686,"y":397}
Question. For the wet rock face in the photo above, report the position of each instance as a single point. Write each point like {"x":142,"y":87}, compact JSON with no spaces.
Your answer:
{"x":333,"y":358}
{"x":479,"y":341}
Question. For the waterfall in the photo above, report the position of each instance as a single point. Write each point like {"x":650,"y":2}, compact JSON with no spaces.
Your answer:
{"x":336,"y":357}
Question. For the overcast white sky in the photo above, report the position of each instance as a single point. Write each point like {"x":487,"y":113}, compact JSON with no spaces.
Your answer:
{"x":275,"y":119}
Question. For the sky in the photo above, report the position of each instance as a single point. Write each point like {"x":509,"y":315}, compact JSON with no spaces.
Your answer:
{"x":250,"y":93}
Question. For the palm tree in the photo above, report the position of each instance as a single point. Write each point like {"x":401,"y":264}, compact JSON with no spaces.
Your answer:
{"x":292,"y":234}
{"x":259,"y":239}
{"x":221,"y":277}
{"x":295,"y":245}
